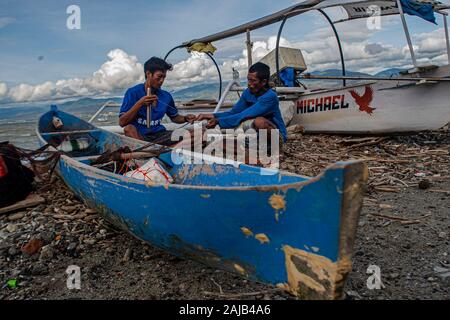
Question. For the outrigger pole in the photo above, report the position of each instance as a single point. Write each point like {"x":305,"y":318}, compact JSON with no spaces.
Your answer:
{"x":408,"y":37}
{"x":444,"y":17}
{"x":256,"y":24}
{"x":412,"y":79}
{"x":305,"y":6}
{"x":246,"y":28}
{"x":249,"y":44}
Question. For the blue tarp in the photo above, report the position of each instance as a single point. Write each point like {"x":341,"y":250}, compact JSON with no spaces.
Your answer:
{"x":288,"y":77}
{"x":425,"y":11}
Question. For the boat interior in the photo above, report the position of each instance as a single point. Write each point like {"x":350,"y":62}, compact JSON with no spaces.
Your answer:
{"x":185,"y":170}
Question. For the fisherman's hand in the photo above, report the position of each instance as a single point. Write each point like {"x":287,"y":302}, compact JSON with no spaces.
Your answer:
{"x":190,"y":118}
{"x":147,"y":101}
{"x":204,"y":116}
{"x":212,"y":123}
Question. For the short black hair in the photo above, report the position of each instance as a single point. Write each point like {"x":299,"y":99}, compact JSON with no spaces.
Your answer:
{"x":156,"y":64}
{"x":262,"y":71}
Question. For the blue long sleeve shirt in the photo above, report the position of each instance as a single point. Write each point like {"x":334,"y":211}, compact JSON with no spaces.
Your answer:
{"x":249,"y":106}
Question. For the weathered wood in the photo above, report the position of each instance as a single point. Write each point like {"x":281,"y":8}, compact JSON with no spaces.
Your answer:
{"x":447,"y":192}
{"x":387,"y":189}
{"x":231,"y":188}
{"x":31,"y":201}
{"x":369,"y":143}
{"x":357,"y":140}
{"x":68,"y":132}
{"x":241,"y":295}
{"x":386,"y":160}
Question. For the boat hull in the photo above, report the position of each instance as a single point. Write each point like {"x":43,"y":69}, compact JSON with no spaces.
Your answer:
{"x":394,"y":107}
{"x":301,"y":242}
{"x":286,"y":230}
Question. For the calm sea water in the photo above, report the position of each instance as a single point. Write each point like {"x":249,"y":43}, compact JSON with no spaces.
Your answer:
{"x":18,"y":121}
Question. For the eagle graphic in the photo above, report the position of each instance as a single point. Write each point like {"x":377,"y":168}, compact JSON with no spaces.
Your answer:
{"x":364,"y":101}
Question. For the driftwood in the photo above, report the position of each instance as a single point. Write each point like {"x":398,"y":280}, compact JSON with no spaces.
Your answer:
{"x":440,"y":191}
{"x":368,"y":143}
{"x":395,"y":162}
{"x":241,"y":295}
{"x":355,"y":141}
{"x":31,"y":201}
{"x":402,"y":220}
{"x":387,"y":189}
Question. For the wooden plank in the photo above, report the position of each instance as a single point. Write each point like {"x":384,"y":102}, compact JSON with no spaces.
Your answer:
{"x":31,"y":201}
{"x":447,"y":192}
{"x":369,"y":143}
{"x":387,"y":189}
{"x":69,"y":132}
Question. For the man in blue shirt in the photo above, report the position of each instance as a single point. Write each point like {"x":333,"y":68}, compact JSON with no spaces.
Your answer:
{"x":133,"y":113}
{"x":258,"y":106}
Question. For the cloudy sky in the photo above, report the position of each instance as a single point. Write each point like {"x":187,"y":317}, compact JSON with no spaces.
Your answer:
{"x":42,"y":59}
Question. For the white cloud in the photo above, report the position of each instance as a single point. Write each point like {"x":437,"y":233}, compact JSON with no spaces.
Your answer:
{"x":26,"y":92}
{"x":119,"y":72}
{"x":199,"y":67}
{"x":122,"y":70}
{"x":431,"y":42}
{"x":3,"y":89}
{"x":4,"y":21}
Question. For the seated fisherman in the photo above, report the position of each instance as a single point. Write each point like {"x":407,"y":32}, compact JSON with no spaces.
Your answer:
{"x":133,"y":113}
{"x":258,"y":107}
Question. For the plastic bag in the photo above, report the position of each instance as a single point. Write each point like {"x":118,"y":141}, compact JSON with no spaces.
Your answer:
{"x":152,"y":171}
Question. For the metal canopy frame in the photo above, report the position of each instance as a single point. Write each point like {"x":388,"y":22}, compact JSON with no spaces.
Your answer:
{"x":307,"y":6}
{"x":213,"y":60}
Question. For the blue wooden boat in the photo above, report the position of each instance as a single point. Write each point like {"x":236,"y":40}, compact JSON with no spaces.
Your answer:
{"x":283,"y":229}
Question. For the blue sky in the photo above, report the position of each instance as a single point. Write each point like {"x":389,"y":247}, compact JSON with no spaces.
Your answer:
{"x":32,"y":29}
{"x":143,"y":28}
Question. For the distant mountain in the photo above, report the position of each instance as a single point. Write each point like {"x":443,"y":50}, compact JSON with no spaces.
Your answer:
{"x":200,"y":91}
{"x":211,"y":90}
{"x":87,"y":102}
{"x":323,"y":83}
{"x":338,"y":73}
{"x":349,"y":73}
{"x":389,"y":72}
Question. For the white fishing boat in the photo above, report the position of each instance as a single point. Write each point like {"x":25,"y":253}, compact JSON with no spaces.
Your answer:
{"x":416,"y":100}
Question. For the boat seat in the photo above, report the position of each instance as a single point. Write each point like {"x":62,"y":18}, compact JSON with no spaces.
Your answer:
{"x":69,"y":132}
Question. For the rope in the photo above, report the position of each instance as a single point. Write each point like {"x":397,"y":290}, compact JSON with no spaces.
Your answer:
{"x":163,"y":137}
{"x":16,"y":153}
{"x":148,"y":170}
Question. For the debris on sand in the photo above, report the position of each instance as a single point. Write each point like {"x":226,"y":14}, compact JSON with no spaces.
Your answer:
{"x":403,"y":229}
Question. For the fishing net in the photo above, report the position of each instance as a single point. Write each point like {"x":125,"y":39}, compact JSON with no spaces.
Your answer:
{"x":19,"y":166}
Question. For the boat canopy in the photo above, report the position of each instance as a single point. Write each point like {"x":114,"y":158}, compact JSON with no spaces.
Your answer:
{"x":361,"y":9}
{"x":355,"y":9}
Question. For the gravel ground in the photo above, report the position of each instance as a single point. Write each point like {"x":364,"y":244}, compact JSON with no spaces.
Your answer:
{"x":403,"y":229}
